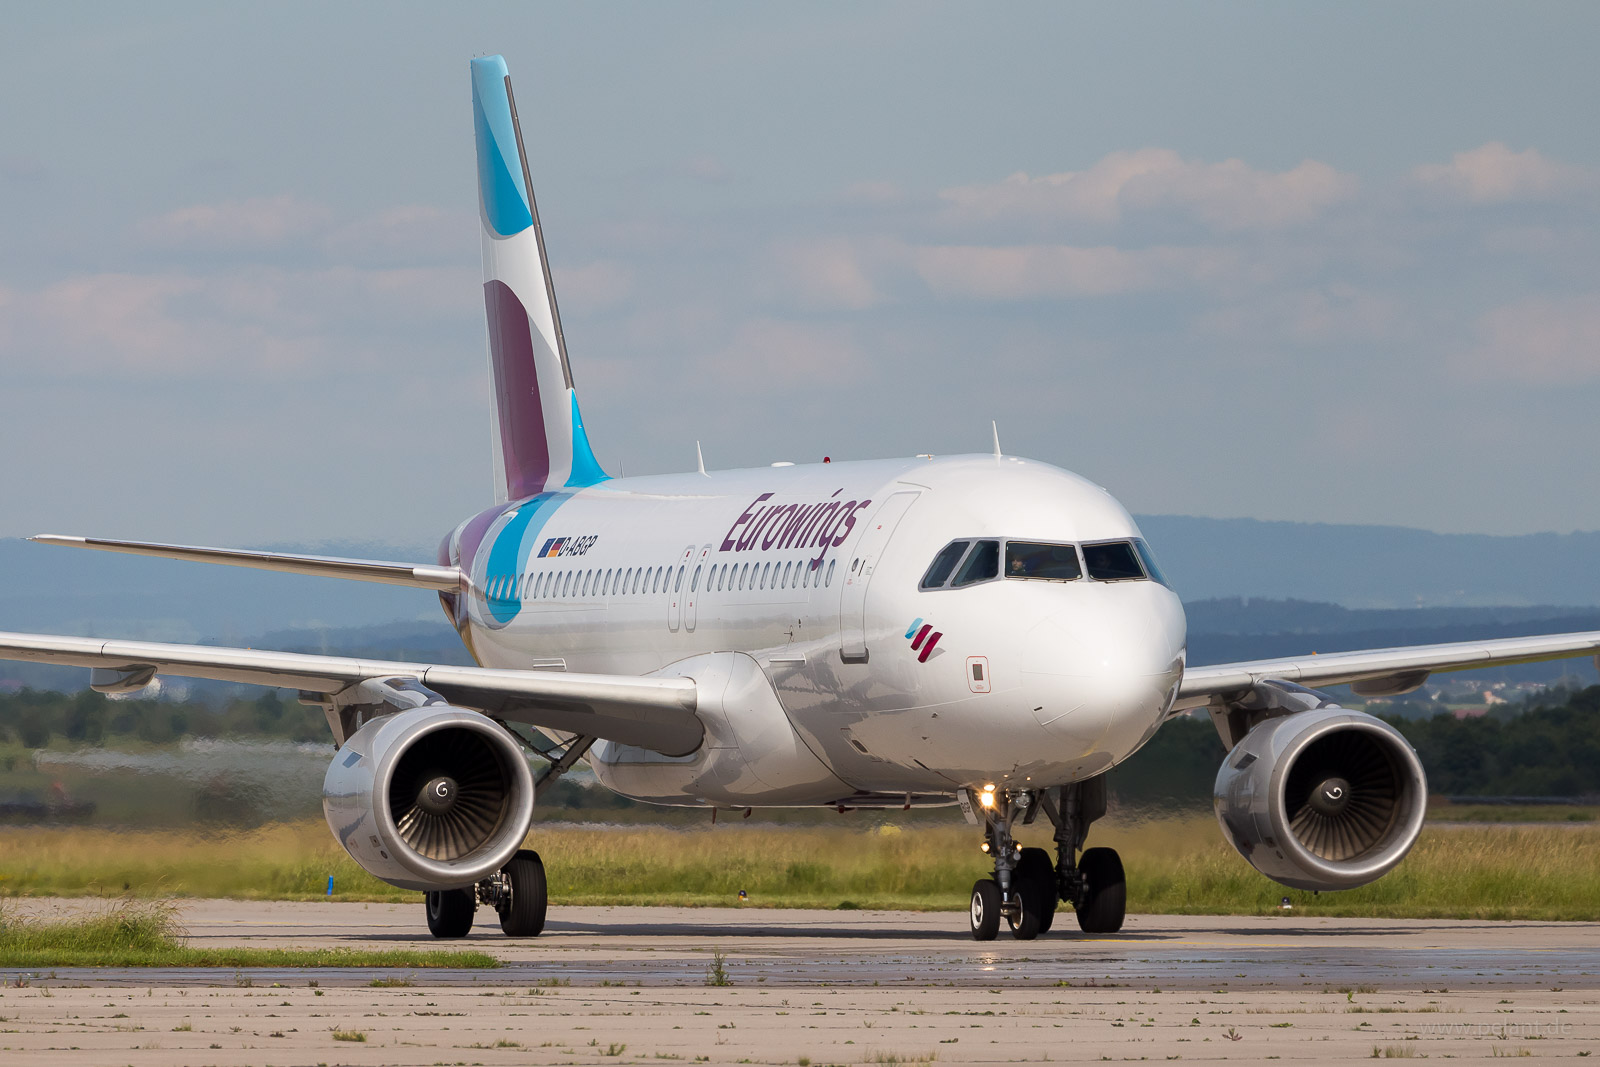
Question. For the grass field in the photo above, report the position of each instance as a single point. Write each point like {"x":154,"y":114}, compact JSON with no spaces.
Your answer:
{"x":1176,"y":865}
{"x":147,"y":934}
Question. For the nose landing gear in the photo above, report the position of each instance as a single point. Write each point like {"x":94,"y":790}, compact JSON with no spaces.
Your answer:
{"x":1026,"y":885}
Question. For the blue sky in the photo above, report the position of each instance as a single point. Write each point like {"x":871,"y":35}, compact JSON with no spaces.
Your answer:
{"x":1330,"y":263}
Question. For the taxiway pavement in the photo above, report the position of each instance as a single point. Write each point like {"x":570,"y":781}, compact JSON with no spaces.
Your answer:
{"x":627,"y":985}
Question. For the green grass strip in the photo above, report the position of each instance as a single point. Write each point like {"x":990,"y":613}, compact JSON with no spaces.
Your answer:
{"x":146,"y":934}
{"x":180,"y":956}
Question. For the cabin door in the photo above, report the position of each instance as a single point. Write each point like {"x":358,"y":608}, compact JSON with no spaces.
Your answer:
{"x":858,"y":568}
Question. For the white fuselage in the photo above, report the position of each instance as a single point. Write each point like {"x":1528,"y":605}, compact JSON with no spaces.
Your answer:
{"x":807,"y":578}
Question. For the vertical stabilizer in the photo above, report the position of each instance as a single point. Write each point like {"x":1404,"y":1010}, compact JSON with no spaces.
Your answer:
{"x":539,"y":440}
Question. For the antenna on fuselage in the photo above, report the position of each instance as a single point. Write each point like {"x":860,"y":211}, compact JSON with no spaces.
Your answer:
{"x":995,"y":426}
{"x":699,"y":458}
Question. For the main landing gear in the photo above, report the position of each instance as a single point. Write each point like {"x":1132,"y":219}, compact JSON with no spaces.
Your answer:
{"x":516,"y":891}
{"x":1026,"y":885}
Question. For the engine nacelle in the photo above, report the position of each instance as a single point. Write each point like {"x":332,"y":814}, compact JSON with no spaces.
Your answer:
{"x":434,"y":798}
{"x":1327,"y":799}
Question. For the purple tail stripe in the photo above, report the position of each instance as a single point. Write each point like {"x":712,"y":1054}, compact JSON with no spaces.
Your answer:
{"x":516,"y":391}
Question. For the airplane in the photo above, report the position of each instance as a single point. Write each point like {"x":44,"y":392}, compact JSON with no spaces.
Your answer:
{"x":983,"y":631}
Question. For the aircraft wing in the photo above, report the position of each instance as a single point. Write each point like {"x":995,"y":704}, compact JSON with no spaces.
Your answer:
{"x":415,"y":575}
{"x":1380,"y":671}
{"x":653,"y":713}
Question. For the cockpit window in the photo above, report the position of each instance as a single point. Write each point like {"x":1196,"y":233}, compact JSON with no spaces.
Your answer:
{"x":1031,"y":559}
{"x":1112,"y":561}
{"x":981,"y":564}
{"x":1150,"y":566}
{"x":943,"y":564}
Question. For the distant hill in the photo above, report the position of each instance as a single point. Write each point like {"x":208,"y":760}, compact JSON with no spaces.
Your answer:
{"x":1372,"y":566}
{"x":1225,"y":631}
{"x":106,"y":594}
{"x":1252,"y":590}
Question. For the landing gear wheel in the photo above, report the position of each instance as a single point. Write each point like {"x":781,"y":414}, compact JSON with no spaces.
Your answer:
{"x":985,"y":910}
{"x":1105,"y":902}
{"x":1037,"y":874}
{"x":523,"y":914}
{"x":1025,"y":925}
{"x":450,"y":912}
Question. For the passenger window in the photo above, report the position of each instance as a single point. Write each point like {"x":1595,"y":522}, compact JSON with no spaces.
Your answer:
{"x":694,"y":582}
{"x":787,"y":567}
{"x":566,"y":583}
{"x":677,"y":586}
{"x":829,"y":581}
{"x":1151,"y":567}
{"x":981,"y":564}
{"x":1112,"y":561}
{"x":1032,"y":559}
{"x":943,"y":564}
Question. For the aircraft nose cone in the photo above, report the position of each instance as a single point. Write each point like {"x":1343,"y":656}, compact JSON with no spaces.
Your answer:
{"x":1112,"y":670}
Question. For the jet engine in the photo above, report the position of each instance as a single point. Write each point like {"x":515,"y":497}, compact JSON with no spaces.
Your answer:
{"x":1326,"y":799}
{"x":433,"y":798}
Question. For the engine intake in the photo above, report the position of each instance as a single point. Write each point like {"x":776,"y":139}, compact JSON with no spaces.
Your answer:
{"x":1326,"y":799}
{"x":434,"y":798}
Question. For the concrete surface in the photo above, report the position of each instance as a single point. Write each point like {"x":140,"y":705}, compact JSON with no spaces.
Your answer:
{"x":827,"y":987}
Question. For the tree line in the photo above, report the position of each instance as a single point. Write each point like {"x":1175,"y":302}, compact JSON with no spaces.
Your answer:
{"x":1548,"y":745}
{"x":1545,"y":746}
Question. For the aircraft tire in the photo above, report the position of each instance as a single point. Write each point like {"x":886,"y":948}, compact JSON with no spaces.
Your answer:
{"x":1039,"y":877}
{"x":523,"y":914}
{"x":1106,"y":903}
{"x":450,"y":912}
{"x":985,"y":913}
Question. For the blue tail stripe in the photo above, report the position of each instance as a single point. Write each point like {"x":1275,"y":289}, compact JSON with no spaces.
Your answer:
{"x":505,"y":200}
{"x":585,"y":468}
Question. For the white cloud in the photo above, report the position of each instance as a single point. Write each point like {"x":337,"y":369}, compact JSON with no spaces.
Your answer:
{"x":1540,"y":341}
{"x":1230,"y":195}
{"x":1336,"y":312}
{"x":769,"y":351}
{"x":405,"y":233}
{"x":829,"y":272}
{"x":247,"y":324}
{"x":262,"y":222}
{"x":595,"y":286}
{"x":1494,"y":174}
{"x":1029,"y":272}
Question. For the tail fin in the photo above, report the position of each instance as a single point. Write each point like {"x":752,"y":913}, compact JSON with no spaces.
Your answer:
{"x":540,"y":443}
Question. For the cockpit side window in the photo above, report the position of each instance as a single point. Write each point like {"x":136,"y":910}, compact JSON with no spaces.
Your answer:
{"x":1151,"y":568}
{"x":1112,"y":561}
{"x":1032,"y":559}
{"x":981,"y":564}
{"x":943,"y":564}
